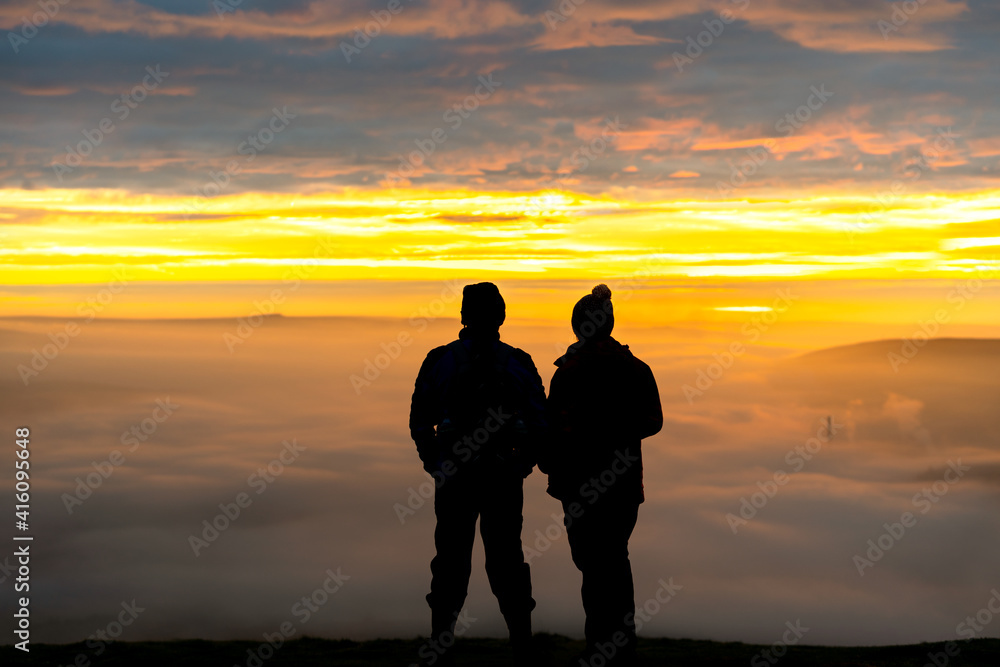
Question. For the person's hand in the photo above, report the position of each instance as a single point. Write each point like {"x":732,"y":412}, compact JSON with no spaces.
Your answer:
{"x":430,"y":457}
{"x":432,"y":463}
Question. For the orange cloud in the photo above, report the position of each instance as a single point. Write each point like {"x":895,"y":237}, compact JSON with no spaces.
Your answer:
{"x":852,"y":27}
{"x":985,"y":147}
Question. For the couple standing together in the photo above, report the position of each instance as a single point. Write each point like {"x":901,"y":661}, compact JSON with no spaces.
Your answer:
{"x":481,"y":422}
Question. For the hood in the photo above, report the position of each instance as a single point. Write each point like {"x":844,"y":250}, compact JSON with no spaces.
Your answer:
{"x":584,"y":349}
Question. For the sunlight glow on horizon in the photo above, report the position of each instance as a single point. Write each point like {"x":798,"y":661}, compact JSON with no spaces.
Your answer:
{"x":745,"y":309}
{"x":67,"y":237}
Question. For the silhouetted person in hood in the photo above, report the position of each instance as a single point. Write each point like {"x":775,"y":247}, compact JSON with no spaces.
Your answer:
{"x":602,"y":402}
{"x":477,"y":410}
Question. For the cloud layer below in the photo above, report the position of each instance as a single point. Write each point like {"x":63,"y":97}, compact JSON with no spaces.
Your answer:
{"x":334,"y":506}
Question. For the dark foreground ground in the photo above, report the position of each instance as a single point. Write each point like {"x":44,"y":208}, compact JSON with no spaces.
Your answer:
{"x":553,"y":649}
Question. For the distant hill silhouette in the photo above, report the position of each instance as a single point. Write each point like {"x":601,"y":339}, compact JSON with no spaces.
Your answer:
{"x":945,"y":389}
{"x":968,"y":366}
{"x":937,"y":349}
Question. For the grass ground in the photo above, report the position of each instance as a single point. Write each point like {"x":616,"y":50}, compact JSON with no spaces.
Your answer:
{"x":554,"y":650}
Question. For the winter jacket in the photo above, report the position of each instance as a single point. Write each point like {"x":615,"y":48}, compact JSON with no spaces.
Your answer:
{"x":475,"y":400}
{"x":602,"y":402}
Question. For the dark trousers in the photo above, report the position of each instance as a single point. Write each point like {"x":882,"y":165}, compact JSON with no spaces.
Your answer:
{"x":598,"y":540}
{"x":496,"y":499}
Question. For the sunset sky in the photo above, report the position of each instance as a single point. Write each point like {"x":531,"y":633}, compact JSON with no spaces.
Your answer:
{"x":788,"y":140}
{"x":171,"y":168}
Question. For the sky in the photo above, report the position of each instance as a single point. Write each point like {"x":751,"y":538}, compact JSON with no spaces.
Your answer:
{"x":173,"y":171}
{"x":803,"y":139}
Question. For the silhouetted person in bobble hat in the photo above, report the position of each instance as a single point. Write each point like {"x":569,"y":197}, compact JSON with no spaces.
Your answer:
{"x":478,"y":410}
{"x":602,"y":402}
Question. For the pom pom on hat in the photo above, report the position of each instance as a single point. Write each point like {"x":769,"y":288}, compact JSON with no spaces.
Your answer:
{"x":593,"y":315}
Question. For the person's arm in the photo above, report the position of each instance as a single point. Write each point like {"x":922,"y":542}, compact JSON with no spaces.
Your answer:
{"x":552,"y":448}
{"x":650,"y":415}
{"x":537,"y":420}
{"x":534,"y":395}
{"x":426,"y":411}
